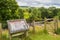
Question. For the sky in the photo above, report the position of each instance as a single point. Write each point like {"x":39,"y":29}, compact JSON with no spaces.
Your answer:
{"x":39,"y":3}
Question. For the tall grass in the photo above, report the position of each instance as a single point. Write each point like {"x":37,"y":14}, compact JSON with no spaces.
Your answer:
{"x":37,"y":36}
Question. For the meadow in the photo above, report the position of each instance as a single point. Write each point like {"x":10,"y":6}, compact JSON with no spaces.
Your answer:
{"x":38,"y":35}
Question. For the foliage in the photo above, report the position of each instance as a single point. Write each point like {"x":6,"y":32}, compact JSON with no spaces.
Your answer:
{"x":8,"y":11}
{"x":57,"y":31}
{"x":38,"y":36}
{"x":40,"y":13}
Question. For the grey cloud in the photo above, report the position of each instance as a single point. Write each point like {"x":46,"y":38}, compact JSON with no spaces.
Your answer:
{"x":35,"y":3}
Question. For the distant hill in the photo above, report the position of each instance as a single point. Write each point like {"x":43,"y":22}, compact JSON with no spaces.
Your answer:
{"x":24,"y":7}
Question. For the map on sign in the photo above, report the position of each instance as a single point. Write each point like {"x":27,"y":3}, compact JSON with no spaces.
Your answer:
{"x":17,"y":26}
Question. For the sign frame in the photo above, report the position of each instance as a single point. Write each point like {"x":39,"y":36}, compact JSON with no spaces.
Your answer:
{"x":23,"y":32}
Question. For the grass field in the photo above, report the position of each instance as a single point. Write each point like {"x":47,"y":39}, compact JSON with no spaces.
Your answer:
{"x":39,"y":35}
{"x":36,"y":36}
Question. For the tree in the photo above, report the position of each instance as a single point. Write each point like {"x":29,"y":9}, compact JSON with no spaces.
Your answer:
{"x":44,"y":12}
{"x":33,"y":17}
{"x":52,"y":11}
{"x":8,"y":10}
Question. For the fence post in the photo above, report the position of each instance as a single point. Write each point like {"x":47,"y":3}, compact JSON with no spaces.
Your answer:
{"x":56,"y":23}
{"x":45,"y":24}
{"x":0,"y":31}
{"x":33,"y":26}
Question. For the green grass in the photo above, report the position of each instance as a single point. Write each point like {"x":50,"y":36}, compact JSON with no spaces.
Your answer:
{"x":37,"y":36}
{"x":43,"y":37}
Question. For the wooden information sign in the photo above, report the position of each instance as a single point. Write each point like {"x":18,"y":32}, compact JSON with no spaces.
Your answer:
{"x":16,"y":26}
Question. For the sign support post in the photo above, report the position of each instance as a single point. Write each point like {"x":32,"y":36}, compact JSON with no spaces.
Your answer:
{"x":0,"y":31}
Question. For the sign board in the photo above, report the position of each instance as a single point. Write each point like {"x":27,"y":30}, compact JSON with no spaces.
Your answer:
{"x":17,"y":26}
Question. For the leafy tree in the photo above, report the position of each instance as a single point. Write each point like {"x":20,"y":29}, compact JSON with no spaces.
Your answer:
{"x":44,"y":12}
{"x":52,"y":11}
{"x":8,"y":10}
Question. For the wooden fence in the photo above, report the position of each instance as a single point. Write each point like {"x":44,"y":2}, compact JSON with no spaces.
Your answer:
{"x":51,"y":25}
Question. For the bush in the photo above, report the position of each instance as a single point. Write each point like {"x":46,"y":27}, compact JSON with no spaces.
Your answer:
{"x":57,"y":31}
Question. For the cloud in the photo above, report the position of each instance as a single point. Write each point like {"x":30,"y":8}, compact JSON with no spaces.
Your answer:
{"x":38,"y":3}
{"x":22,"y":4}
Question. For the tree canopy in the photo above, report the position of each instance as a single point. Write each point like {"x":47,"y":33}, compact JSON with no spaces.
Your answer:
{"x":8,"y":9}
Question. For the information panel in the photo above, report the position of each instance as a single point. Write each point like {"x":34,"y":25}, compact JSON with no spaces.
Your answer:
{"x":17,"y":26}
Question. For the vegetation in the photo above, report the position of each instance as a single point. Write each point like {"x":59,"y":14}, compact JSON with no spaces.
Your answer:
{"x":10,"y":10}
{"x":40,"y":35}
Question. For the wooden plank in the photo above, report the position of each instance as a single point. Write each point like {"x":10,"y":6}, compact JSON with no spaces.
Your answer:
{"x":0,"y":31}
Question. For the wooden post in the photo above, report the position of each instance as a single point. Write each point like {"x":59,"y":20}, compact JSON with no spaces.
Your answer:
{"x":0,"y":31}
{"x":45,"y":22}
{"x":33,"y":27}
{"x":26,"y":34}
{"x":10,"y":37}
{"x":56,"y":23}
